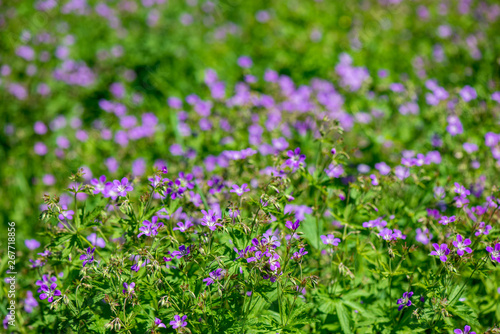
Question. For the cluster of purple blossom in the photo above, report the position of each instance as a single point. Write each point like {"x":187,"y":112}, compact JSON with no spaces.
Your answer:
{"x":262,"y":253}
{"x":113,"y":189}
{"x":150,"y":228}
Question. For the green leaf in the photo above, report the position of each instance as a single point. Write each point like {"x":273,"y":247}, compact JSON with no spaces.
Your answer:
{"x":466,"y":313}
{"x":344,"y":318}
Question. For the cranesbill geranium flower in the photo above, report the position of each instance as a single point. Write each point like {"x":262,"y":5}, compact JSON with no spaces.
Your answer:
{"x":386,"y":234}
{"x":156,"y":181}
{"x":334,"y":171}
{"x":47,"y":280}
{"x":240,"y":190}
{"x":468,"y":93}
{"x":66,"y":214}
{"x":330,"y":240}
{"x":49,"y":292}
{"x":30,"y":302}
{"x":186,"y":180}
{"x":274,"y":263}
{"x":461,"y":190}
{"x":298,"y":255}
{"x":401,"y":172}
{"x":441,"y":251}
{"x":461,"y":245}
{"x":405,"y":301}
{"x":423,"y":236}
{"x":183,"y":227}
{"x":293,"y":226}
{"x":296,"y":160}
{"x":99,"y":184}
{"x":122,"y":187}
{"x":210,"y":219}
{"x":128,"y":288}
{"x":88,"y":257}
{"x":174,"y":189}
{"x":398,"y":235}
{"x":446,"y":220}
{"x":483,"y":229}
{"x":178,"y":321}
{"x":158,"y":323}
{"x":183,"y":251}
{"x":32,"y":244}
{"x":495,"y":252}
{"x":466,"y":330}
{"x":378,"y":223}
{"x":150,"y":228}
{"x":269,"y":238}
{"x":215,"y":275}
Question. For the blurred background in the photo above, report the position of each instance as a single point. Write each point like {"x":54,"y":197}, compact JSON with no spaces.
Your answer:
{"x":68,"y":68}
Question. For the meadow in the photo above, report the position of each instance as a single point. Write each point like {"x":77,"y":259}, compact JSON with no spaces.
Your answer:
{"x":230,"y":166}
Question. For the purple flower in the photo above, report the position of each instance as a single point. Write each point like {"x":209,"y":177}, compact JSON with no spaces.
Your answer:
{"x":401,"y":172}
{"x":32,"y":244}
{"x":441,"y":251}
{"x":183,"y":251}
{"x":386,"y":234}
{"x":446,"y":220}
{"x":465,"y":331}
{"x":470,"y":147}
{"x":245,"y":62}
{"x":99,"y":184}
{"x":378,"y":223}
{"x":186,"y":180}
{"x":424,"y":236}
{"x":483,"y":229}
{"x":495,"y":252}
{"x":95,"y":241}
{"x":293,"y":226}
{"x":175,"y":189}
{"x":121,"y":188}
{"x":215,"y":275}
{"x":405,"y":301}
{"x":461,"y":190}
{"x":66,"y":214}
{"x":383,"y":168}
{"x":434,"y":213}
{"x":439,"y":193}
{"x":454,"y":127}
{"x":178,"y":321}
{"x":47,"y":280}
{"x":138,"y":262}
{"x":156,"y":181}
{"x":183,"y":227}
{"x":298,"y":255}
{"x":159,"y":323}
{"x":49,"y":292}
{"x":128,"y":289}
{"x":150,"y":228}
{"x":330,"y":240}
{"x":296,"y":160}
{"x":240,"y":190}
{"x":269,"y":238}
{"x":274,"y":261}
{"x":30,"y":302}
{"x":88,"y":257}
{"x":461,"y":245}
{"x":398,"y":235}
{"x":210,"y":219}
{"x":468,"y":93}
{"x":334,"y":171}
